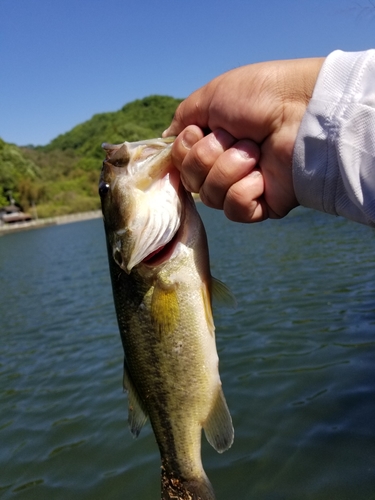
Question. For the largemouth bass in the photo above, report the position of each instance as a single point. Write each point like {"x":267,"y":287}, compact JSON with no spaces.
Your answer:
{"x":159,"y":266}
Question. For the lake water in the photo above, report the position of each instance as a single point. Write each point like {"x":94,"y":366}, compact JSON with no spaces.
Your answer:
{"x":297,"y":361}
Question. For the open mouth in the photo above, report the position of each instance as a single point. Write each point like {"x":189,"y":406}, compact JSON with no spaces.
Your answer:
{"x":162,"y":253}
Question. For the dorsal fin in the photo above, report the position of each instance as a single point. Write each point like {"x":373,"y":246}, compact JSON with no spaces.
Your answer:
{"x":222,"y":294}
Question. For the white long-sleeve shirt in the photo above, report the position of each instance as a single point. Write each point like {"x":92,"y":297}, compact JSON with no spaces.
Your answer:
{"x":334,"y":154}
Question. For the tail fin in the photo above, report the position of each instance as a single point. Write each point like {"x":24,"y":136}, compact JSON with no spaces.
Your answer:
{"x":177,"y":488}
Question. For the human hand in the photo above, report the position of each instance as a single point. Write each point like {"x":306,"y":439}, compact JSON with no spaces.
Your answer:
{"x":244,"y":165}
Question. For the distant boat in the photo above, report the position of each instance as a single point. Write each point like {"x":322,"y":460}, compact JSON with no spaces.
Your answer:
{"x":12,"y":214}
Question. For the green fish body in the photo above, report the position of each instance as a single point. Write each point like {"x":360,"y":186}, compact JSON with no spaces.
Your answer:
{"x":159,"y":266}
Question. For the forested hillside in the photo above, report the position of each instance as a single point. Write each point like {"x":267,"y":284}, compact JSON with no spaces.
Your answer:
{"x":62,"y":177}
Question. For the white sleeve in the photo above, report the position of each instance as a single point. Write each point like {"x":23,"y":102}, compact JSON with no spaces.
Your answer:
{"x":334,"y":153}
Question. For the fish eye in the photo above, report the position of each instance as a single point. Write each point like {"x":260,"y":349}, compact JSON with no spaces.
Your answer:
{"x":103,"y":188}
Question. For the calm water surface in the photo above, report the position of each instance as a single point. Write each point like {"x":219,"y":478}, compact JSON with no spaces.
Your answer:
{"x":297,"y":360}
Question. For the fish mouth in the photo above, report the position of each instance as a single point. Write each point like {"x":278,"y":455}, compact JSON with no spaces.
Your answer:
{"x":163,"y":253}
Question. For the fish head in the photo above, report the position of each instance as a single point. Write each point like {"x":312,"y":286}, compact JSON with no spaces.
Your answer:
{"x":139,"y":191}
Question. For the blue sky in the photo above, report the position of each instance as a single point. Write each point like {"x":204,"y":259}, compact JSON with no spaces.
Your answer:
{"x":64,"y":60}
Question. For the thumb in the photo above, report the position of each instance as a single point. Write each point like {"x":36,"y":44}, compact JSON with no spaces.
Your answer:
{"x":191,"y":111}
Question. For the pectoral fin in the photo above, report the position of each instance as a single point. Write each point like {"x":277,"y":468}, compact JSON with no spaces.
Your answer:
{"x":208,"y":308}
{"x":218,"y":427}
{"x":137,"y":415}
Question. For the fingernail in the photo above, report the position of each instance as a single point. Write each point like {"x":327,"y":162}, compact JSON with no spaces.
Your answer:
{"x":243,"y":153}
{"x":165,"y":133}
{"x":188,"y":139}
{"x":254,"y":174}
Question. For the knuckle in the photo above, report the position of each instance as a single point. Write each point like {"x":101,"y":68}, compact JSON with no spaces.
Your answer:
{"x":237,"y":206}
{"x":201,"y":156}
{"x":209,"y":200}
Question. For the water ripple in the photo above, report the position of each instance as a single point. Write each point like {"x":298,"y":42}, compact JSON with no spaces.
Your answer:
{"x":297,"y":359}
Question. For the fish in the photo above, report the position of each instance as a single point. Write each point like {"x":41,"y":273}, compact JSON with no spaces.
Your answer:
{"x":162,"y":289}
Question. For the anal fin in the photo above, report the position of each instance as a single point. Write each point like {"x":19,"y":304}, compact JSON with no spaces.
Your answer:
{"x":218,"y":427}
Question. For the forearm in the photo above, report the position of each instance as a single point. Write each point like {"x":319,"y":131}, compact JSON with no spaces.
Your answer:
{"x":334,"y":154}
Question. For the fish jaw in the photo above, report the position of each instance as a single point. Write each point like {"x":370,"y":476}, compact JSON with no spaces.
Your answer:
{"x":139,"y":189}
{"x":157,"y":218}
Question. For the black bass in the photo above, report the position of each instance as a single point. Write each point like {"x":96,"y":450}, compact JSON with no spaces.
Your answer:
{"x":159,"y":266}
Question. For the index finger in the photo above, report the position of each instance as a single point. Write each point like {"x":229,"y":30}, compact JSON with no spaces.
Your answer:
{"x":196,"y":161}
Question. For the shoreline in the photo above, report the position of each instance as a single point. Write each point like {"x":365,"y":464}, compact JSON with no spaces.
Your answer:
{"x":58,"y":220}
{"x":49,"y":221}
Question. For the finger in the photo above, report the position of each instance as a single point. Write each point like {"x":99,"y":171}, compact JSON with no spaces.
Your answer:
{"x":230,"y":167}
{"x":202,"y":156}
{"x":184,"y":142}
{"x":193,"y":110}
{"x":244,"y":200}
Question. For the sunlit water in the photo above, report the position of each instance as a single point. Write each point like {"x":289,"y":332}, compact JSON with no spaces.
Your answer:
{"x":297,"y":360}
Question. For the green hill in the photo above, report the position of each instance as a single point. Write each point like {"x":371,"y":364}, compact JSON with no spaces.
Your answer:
{"x":62,"y":177}
{"x":16,"y":171}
